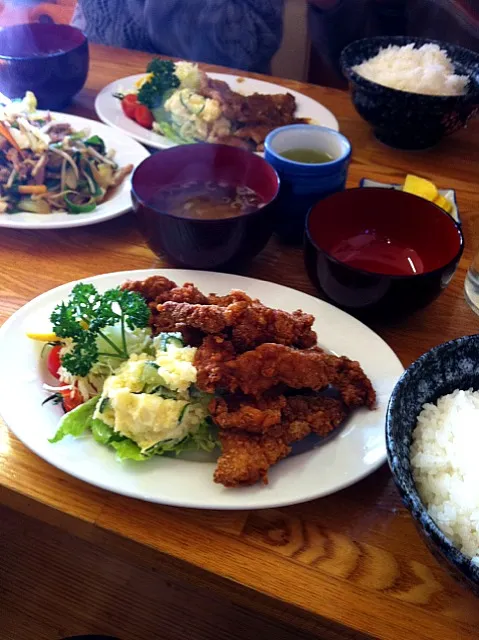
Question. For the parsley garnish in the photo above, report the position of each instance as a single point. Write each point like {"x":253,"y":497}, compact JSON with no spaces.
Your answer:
{"x":84,"y":316}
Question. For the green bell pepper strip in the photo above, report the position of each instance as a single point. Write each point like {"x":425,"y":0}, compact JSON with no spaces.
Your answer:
{"x":87,"y":207}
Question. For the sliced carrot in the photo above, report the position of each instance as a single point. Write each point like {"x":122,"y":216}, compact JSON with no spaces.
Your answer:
{"x":6,"y":134}
{"x":32,"y":189}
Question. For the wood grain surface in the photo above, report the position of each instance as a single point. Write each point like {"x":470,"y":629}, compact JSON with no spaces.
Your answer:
{"x":344,"y":566}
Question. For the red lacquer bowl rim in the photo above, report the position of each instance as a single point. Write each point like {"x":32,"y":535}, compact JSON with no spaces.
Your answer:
{"x":232,"y":219}
{"x":364,"y":272}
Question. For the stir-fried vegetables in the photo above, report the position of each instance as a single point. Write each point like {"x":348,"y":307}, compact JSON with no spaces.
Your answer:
{"x":46,"y":166}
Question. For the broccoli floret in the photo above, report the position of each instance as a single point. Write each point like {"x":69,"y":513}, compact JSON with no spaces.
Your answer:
{"x":163,"y":79}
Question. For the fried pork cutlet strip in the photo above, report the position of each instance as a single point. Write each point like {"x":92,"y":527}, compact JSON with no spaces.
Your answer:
{"x":257,"y":371}
{"x":246,"y":458}
{"x":158,"y":289}
{"x":152,"y":288}
{"x":210,"y":362}
{"x":251,"y":324}
{"x":311,"y":414}
{"x":236,"y":295}
{"x":291,"y":418}
{"x":246,"y":413}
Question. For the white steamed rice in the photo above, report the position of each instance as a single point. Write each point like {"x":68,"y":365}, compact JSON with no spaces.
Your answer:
{"x":445,"y":466}
{"x":426,"y":70}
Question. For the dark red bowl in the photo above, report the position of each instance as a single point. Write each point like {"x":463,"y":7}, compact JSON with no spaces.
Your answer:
{"x":49,"y":59}
{"x":204,"y":244}
{"x":405,"y":220}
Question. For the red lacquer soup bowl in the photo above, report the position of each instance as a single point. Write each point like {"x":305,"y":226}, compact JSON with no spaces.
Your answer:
{"x":380,"y":253}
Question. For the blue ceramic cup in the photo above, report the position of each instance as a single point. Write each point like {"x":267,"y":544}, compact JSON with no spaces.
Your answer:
{"x":303,"y":184}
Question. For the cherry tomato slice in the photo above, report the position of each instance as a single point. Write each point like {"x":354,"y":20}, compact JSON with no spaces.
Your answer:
{"x":71,"y":399}
{"x":129,"y":104}
{"x":53,"y":360}
{"x":143,"y":116}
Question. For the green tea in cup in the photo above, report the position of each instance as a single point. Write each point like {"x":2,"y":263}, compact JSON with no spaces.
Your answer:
{"x":308,"y":156}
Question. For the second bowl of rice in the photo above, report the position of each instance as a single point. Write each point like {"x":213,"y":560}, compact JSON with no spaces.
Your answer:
{"x":432,"y":436}
{"x":413,"y":91}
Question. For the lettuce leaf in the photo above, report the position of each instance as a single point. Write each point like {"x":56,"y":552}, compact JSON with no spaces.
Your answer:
{"x":80,"y":419}
{"x":101,"y":432}
{"x":204,"y":439}
{"x":128,"y":450}
{"x":77,"y":421}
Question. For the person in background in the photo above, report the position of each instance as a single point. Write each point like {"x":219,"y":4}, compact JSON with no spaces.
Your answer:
{"x":334,"y":24}
{"x":244,"y":34}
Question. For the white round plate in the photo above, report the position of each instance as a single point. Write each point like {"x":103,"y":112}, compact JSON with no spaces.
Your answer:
{"x":119,"y":202}
{"x":109,"y":108}
{"x":357,"y":450}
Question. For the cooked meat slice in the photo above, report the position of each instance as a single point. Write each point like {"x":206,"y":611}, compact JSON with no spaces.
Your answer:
{"x":59,"y":131}
{"x":257,"y":132}
{"x":273,"y":110}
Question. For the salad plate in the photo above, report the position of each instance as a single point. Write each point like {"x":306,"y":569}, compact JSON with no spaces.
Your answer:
{"x":118,"y":202}
{"x":314,"y":471}
{"x":109,"y":110}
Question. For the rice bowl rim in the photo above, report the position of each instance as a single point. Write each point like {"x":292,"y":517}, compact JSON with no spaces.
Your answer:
{"x":402,"y":473}
{"x":472,"y":88}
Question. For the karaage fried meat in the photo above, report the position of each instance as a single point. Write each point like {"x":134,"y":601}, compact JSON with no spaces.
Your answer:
{"x":249,"y":323}
{"x":246,"y":413}
{"x":246,"y":457}
{"x":305,"y":414}
{"x":255,"y":372}
{"x":152,"y":288}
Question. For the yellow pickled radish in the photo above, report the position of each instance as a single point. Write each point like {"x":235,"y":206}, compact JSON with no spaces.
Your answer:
{"x":444,"y":203}
{"x":420,"y":187}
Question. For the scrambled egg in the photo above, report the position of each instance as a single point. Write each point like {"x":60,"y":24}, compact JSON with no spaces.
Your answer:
{"x":148,"y":400}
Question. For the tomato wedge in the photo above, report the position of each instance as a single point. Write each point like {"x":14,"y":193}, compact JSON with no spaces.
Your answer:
{"x":129,"y":104}
{"x":53,"y":360}
{"x":143,"y":116}
{"x":71,"y":399}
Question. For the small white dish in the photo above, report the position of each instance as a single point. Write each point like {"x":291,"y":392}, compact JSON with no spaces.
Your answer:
{"x":449,"y":194}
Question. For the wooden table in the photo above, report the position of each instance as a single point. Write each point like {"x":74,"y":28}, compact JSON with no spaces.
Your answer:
{"x":347,"y":566}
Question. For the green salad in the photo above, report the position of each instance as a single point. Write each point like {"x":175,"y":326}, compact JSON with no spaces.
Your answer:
{"x":135,"y":392}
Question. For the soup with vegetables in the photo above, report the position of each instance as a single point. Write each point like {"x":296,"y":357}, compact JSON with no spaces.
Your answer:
{"x":207,"y":201}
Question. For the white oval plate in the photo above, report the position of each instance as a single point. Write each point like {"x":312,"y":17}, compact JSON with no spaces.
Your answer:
{"x":357,"y":450}
{"x":109,"y":108}
{"x":127,"y":152}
